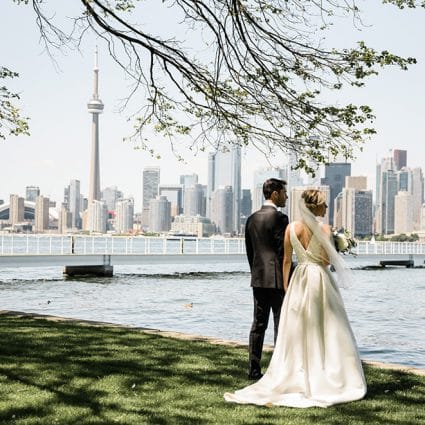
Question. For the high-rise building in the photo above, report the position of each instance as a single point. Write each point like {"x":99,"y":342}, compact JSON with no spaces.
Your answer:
{"x":388,"y":191}
{"x":124,"y":215}
{"x":356,"y":211}
{"x":111,"y":195}
{"x":246,"y":203}
{"x":403,"y":213}
{"x":417,"y":196}
{"x":31,"y":193}
{"x":65,"y":220}
{"x":194,"y":201}
{"x":41,"y":214}
{"x":159,"y":214}
{"x":150,"y":184}
{"x":335,"y":174}
{"x":400,"y":159}
{"x":295,"y":195}
{"x":174,"y":194}
{"x":224,"y":169}
{"x":73,"y":202}
{"x":222,"y":209}
{"x":97,"y":217}
{"x":16,"y":209}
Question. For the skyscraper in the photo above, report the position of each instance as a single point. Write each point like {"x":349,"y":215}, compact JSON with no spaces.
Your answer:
{"x":222,"y":209}
{"x":150,"y":184}
{"x":224,"y":169}
{"x":403,"y":213}
{"x":193,"y":201}
{"x":73,"y":202}
{"x":16,"y":209}
{"x":400,"y":158}
{"x":124,"y":216}
{"x":159,"y":214}
{"x":388,"y":191}
{"x":335,"y":174}
{"x":41,"y":214}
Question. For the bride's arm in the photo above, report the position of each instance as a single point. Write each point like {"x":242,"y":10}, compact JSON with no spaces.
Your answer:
{"x":287,"y":259}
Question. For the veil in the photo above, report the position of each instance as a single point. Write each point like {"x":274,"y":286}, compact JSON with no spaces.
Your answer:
{"x":342,"y":270}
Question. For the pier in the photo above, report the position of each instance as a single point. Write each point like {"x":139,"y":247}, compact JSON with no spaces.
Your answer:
{"x":84,"y":254}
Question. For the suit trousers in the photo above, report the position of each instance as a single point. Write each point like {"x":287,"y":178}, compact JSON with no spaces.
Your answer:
{"x":264,"y":300}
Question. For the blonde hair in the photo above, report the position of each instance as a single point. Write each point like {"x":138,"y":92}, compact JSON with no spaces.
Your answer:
{"x":313,"y":198}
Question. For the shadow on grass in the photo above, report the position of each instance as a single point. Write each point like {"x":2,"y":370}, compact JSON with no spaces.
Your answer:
{"x":60,"y":372}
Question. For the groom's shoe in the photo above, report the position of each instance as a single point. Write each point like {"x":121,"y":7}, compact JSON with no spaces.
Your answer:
{"x":255,"y":375}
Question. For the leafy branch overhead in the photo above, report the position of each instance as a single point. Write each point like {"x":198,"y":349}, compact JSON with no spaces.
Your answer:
{"x":237,"y":71}
{"x":11,"y":122}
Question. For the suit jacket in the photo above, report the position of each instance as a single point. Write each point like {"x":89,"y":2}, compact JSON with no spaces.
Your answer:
{"x":264,"y":234}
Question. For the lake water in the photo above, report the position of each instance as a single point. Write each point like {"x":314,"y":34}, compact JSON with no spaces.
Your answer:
{"x":385,"y":307}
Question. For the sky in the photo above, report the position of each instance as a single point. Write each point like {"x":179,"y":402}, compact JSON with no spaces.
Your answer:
{"x":55,"y":94}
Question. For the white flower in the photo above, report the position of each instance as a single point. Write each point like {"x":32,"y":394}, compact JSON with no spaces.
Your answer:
{"x":343,"y":241}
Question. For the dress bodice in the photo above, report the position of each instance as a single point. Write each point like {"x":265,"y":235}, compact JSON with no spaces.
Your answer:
{"x":310,"y":255}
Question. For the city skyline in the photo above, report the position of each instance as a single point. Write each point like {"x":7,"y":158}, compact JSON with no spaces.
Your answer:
{"x":58,"y":149}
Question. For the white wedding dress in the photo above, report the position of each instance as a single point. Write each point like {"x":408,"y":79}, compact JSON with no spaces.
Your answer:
{"x":315,"y":361}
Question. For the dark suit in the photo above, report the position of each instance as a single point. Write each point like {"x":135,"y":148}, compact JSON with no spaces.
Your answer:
{"x":264,"y":234}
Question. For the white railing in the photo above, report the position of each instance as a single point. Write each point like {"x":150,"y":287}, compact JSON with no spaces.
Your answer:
{"x":30,"y":244}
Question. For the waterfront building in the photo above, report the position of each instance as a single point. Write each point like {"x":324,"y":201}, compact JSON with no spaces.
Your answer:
{"x":159,"y":214}
{"x":222,"y":209}
{"x":192,"y":225}
{"x":224,"y":169}
{"x":124,"y":216}
{"x":65,"y":220}
{"x":150,"y":184}
{"x":72,"y":200}
{"x":403,"y":213}
{"x":31,"y":193}
{"x":246,"y":203}
{"x":388,"y":190}
{"x":97,"y":215}
{"x":335,"y":174}
{"x":16,"y":209}
{"x":417,"y":196}
{"x":355,"y":211}
{"x":41,"y":214}
{"x":194,"y":201}
{"x":174,"y":193}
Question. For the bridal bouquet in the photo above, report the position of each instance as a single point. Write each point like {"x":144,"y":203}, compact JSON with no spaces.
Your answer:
{"x":343,"y":241}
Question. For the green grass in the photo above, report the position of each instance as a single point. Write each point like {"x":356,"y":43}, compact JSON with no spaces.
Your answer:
{"x":68,"y":373}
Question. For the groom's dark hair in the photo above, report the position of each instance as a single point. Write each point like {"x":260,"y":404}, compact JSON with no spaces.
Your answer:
{"x":272,"y":185}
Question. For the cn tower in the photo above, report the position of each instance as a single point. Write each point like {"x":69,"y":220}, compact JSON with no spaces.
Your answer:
{"x":95,"y":107}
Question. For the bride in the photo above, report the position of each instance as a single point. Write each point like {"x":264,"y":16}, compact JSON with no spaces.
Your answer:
{"x":315,"y":361}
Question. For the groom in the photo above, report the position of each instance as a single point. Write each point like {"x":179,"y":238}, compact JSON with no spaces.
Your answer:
{"x":264,"y":232}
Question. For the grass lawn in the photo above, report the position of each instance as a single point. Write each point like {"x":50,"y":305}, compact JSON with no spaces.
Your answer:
{"x":68,"y":373}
